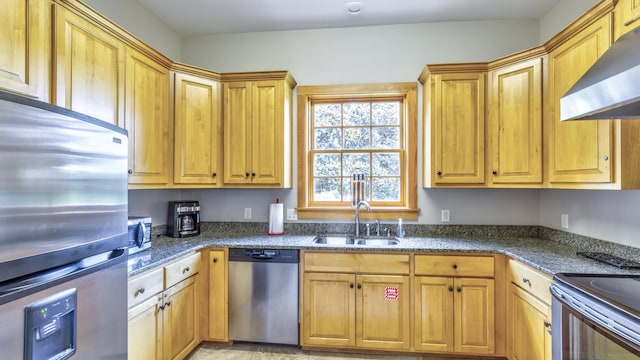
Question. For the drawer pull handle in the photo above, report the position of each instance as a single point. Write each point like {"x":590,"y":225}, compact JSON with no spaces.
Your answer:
{"x":454,"y":266}
{"x":547,"y":324}
{"x":141,"y":291}
{"x":168,"y":303}
{"x":526,"y":281}
{"x":186,"y":270}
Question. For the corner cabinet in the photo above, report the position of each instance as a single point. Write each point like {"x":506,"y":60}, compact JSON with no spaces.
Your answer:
{"x":197,"y":153}
{"x":514,"y":130}
{"x":258,"y":130}
{"x":454,"y":124}
{"x":354,"y":300}
{"x":627,"y":16}
{"x":147,"y":120}
{"x":26,"y":40}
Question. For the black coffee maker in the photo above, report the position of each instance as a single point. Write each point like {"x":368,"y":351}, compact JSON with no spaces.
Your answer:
{"x":184,"y":219}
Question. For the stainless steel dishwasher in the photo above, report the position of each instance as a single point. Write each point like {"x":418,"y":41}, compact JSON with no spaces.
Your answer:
{"x":263,"y":295}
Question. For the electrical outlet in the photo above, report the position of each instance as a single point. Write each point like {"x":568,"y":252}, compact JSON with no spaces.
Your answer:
{"x":292,"y":214}
{"x":564,"y":221}
{"x":445,"y":215}
{"x":247,"y":213}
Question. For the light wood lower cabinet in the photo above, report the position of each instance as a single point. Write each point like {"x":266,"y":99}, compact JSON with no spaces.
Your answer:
{"x":351,"y":309}
{"x":218,"y":324}
{"x":454,"y":313}
{"x":164,"y":325}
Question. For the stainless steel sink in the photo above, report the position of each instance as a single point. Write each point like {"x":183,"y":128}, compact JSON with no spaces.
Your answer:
{"x":350,"y":240}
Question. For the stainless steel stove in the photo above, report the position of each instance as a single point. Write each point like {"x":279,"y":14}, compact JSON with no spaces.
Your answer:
{"x":596,"y":316}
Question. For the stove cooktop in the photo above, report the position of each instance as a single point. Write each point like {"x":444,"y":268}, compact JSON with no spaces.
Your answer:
{"x":622,"y":291}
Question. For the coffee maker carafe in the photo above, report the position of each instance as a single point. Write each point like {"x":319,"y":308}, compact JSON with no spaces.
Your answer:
{"x":184,"y":219}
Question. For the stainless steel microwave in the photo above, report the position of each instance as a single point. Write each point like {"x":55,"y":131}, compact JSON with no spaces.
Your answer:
{"x":139,"y":234}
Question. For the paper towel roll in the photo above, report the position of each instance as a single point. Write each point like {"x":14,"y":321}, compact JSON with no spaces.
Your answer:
{"x":276,"y":218}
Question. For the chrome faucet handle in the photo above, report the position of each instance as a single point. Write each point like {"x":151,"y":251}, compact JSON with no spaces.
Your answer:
{"x":377,"y":227}
{"x":368,"y":226}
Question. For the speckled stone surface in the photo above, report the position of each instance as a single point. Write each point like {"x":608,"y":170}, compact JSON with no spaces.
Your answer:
{"x":548,"y":250}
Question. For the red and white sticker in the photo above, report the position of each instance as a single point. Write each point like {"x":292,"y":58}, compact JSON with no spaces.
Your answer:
{"x":391,"y":293}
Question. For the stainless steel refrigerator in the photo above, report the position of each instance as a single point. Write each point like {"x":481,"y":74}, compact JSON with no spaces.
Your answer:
{"x":63,"y":233}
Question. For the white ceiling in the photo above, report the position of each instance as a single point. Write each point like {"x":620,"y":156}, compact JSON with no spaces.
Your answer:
{"x":198,"y":17}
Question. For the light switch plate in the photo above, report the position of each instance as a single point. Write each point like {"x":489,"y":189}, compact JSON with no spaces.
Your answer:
{"x":292,"y":214}
{"x":564,"y":221}
{"x":445,"y":215}
{"x":247,"y":213}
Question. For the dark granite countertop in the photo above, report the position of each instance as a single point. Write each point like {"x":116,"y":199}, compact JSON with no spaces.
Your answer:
{"x":549,"y":256}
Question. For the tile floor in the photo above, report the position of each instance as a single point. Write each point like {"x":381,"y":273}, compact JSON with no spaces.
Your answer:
{"x":249,"y":351}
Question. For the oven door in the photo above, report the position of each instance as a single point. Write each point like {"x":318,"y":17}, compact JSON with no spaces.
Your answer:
{"x":585,"y":329}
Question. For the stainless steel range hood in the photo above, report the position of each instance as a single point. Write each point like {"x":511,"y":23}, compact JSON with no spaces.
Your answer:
{"x":610,"y":89}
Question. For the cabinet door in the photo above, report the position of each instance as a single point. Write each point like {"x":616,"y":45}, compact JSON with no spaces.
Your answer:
{"x":218,"y":295}
{"x":529,"y":338}
{"x":147,"y":120}
{"x":328,"y":309}
{"x":267,"y":132}
{"x":433,"y":314}
{"x":458,"y":126}
{"x":382,"y":318}
{"x":237,"y":133}
{"x":145,"y":330}
{"x":578,"y":151}
{"x":25,"y":33}
{"x":180,"y":319}
{"x":627,"y":16}
{"x":474,"y":308}
{"x":515,"y":124}
{"x":198,"y":131}
{"x":89,"y":69}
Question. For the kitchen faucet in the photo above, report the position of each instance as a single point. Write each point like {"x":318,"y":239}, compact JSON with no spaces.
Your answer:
{"x":368,"y":207}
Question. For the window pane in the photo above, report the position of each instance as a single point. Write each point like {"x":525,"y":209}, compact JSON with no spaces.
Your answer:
{"x":356,"y":114}
{"x":327,"y":114}
{"x":386,"y":164}
{"x":386,"y":189}
{"x":327,"y":139}
{"x":356,"y":138}
{"x":356,"y":163}
{"x":326,"y":189}
{"x":385,"y":113}
{"x":326,"y":165}
{"x":386,"y":138}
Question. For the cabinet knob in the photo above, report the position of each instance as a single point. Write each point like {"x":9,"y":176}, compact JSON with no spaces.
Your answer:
{"x":253,"y":174}
{"x":454,"y":266}
{"x":526,"y":281}
{"x":186,"y":269}
{"x":494,"y":172}
{"x":141,"y":291}
{"x":459,"y":289}
{"x":129,"y":171}
{"x":450,"y":288}
{"x":350,"y":286}
{"x":547,"y":324}
{"x":246,"y":175}
{"x":214,"y":174}
{"x":359,"y":286}
{"x":215,"y":260}
{"x":606,"y":158}
{"x":168,"y":303}
{"x":439,"y":173}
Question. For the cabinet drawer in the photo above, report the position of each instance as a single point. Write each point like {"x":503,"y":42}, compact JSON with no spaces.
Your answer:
{"x":356,"y":263}
{"x":181,"y":269}
{"x":454,"y":265}
{"x":531,"y":280}
{"x":144,"y":286}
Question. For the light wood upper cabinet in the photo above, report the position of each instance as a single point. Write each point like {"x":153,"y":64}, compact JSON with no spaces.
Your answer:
{"x":627,"y":16}
{"x":257,"y":132}
{"x":26,"y":42}
{"x":514,"y":130}
{"x":197,"y":131}
{"x":454,"y":110}
{"x":577,"y":151}
{"x":148,"y":121}
{"x":89,"y":68}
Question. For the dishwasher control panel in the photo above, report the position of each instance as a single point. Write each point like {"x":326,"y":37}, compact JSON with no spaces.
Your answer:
{"x":271,"y":255}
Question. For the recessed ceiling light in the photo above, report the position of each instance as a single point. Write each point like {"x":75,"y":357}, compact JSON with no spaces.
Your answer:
{"x":354,"y":8}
